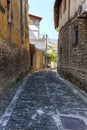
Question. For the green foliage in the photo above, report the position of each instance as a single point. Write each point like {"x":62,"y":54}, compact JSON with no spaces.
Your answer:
{"x":53,"y":56}
{"x":57,"y":29}
{"x":52,"y":52}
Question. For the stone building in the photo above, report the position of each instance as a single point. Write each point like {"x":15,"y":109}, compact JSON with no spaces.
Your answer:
{"x":14,"y":40}
{"x":37,"y":43}
{"x":70,"y":16}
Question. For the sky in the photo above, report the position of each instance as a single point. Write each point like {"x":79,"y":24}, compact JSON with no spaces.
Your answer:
{"x":44,"y":9}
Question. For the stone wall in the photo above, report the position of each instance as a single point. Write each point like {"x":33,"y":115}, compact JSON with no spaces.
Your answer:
{"x":68,"y":13}
{"x":73,"y":57}
{"x":13,"y":63}
{"x":36,"y":58}
{"x":14,"y":44}
{"x":39,"y":56}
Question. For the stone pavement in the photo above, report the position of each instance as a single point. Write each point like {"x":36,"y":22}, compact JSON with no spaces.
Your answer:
{"x":44,"y":101}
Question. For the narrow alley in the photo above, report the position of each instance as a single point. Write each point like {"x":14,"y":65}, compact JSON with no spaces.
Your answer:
{"x":43,"y":65}
{"x":44,"y":101}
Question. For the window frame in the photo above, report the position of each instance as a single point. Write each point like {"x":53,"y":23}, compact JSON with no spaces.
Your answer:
{"x":75,"y":35}
{"x":9,"y":11}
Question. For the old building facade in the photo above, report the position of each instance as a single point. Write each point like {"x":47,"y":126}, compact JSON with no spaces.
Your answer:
{"x":14,"y":40}
{"x":37,"y":43}
{"x":71,"y":18}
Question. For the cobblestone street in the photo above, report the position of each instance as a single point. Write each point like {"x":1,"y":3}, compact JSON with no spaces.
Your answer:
{"x":44,"y":101}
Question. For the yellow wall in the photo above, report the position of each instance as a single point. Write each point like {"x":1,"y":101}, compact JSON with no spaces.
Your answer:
{"x":12,"y":32}
{"x":14,"y":47}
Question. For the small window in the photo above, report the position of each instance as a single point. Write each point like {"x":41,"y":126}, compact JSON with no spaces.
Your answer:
{"x":32,"y":22}
{"x":2,"y":8}
{"x":75,"y":35}
{"x":64,"y":5}
{"x":37,"y":22}
{"x":60,"y":50}
{"x":9,"y":11}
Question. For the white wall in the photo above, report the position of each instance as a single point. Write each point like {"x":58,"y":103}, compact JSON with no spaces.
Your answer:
{"x":34,"y":36}
{"x":73,"y":8}
{"x":33,"y":32}
{"x":39,"y":43}
{"x":63,"y":18}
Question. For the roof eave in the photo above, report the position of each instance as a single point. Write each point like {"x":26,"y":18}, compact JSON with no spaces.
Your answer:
{"x":35,"y":17}
{"x":56,"y":13}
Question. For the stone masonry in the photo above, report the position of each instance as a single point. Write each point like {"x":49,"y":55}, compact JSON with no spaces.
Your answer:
{"x":14,"y":41}
{"x":36,"y":58}
{"x":39,"y":55}
{"x":73,"y":58}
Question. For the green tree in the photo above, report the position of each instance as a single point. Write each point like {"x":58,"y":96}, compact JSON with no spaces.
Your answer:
{"x":53,"y":55}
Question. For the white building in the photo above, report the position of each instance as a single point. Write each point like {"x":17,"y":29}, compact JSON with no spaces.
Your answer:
{"x":34,"y":32}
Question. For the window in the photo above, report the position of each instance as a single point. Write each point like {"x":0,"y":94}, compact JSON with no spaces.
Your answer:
{"x":60,"y":50}
{"x":36,"y":22}
{"x":75,"y":35}
{"x":64,"y":6}
{"x":9,"y":11}
{"x":31,"y":22}
{"x":1,"y":7}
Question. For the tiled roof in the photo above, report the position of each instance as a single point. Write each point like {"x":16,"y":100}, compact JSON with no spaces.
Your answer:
{"x":35,"y":17}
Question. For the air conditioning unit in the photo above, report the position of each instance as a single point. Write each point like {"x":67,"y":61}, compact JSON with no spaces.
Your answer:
{"x":82,"y":10}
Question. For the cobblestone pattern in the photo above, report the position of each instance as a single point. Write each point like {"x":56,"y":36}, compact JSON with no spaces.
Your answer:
{"x":44,"y":102}
{"x":6,"y":97}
